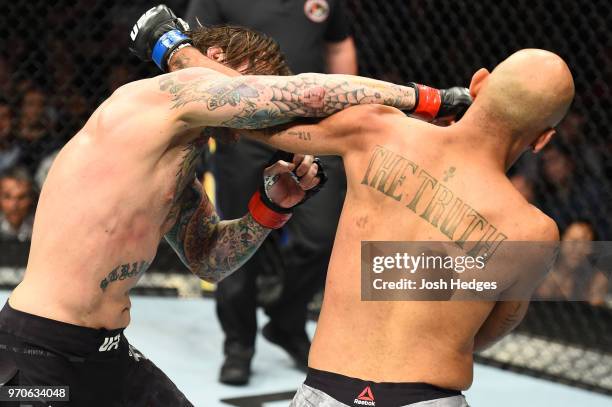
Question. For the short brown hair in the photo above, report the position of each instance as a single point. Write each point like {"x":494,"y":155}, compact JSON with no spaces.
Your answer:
{"x":241,"y":45}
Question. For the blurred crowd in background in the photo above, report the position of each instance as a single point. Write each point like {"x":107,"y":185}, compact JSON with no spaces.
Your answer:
{"x":59,"y":60}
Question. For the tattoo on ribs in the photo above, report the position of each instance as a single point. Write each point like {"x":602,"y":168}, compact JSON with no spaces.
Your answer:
{"x":123,"y":272}
{"x":267,"y":102}
{"x":433,"y":201}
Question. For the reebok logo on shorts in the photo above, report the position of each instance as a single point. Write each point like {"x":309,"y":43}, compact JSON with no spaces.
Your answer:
{"x":365,"y":398}
{"x":110,"y":343}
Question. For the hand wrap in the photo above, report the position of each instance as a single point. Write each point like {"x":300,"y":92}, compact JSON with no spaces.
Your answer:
{"x":264,"y":210}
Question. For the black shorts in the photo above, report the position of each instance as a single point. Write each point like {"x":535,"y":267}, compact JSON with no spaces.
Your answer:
{"x":328,"y":389}
{"x":99,"y":366}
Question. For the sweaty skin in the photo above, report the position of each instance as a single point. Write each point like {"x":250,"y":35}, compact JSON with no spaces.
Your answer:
{"x":397,"y":168}
{"x":126,"y":180}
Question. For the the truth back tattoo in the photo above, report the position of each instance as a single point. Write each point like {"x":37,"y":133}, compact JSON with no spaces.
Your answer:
{"x":123,"y":272}
{"x":387,"y":171}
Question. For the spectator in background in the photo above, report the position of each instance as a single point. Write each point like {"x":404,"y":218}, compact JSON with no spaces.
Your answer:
{"x":9,"y":151}
{"x":559,"y":195}
{"x":574,"y":277}
{"x":568,"y":191}
{"x":62,"y":67}
{"x":73,"y":112}
{"x":43,"y":169}
{"x":574,"y":131}
{"x":35,"y":130}
{"x":16,"y":205}
{"x":5,"y":76}
{"x":314,"y":36}
{"x":119,"y":75}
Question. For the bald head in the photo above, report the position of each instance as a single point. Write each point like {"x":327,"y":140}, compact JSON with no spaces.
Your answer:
{"x":529,"y":92}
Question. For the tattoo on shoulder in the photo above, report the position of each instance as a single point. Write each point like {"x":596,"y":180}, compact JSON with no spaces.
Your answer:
{"x":200,"y":90}
{"x":123,"y":272}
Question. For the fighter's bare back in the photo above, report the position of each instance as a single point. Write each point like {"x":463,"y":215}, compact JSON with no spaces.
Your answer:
{"x":408,"y":345}
{"x":396,"y":169}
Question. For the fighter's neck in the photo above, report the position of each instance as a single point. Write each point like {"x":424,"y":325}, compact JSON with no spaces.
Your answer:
{"x":488,"y":143}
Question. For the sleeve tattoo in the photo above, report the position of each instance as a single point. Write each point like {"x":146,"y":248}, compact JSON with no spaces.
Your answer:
{"x":251,"y":102}
{"x":212,"y":249}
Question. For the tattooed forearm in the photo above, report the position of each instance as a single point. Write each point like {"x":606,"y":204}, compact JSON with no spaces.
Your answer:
{"x":250,"y":102}
{"x":229,"y":247}
{"x":213,"y":249}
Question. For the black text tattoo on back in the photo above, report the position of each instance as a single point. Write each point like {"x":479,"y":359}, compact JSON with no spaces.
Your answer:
{"x":433,"y":201}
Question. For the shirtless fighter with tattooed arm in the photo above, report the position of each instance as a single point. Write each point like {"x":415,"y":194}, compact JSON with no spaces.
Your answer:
{"x":411,"y":181}
{"x":113,"y":193}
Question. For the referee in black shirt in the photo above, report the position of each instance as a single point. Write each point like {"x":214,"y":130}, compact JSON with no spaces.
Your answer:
{"x":314,"y":36}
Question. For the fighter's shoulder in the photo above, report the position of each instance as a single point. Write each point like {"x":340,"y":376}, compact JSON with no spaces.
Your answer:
{"x":166,"y":83}
{"x":544,"y":227}
{"x":367,"y":117}
{"x":536,"y":225}
{"x":528,"y":222}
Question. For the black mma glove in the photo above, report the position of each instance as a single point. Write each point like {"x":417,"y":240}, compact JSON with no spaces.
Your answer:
{"x":455,"y":101}
{"x":269,"y":214}
{"x":432,"y":103}
{"x":157,"y":34}
{"x":321,"y":174}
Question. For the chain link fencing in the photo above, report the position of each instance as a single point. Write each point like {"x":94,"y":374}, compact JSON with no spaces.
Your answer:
{"x":443,"y":43}
{"x":60,"y":59}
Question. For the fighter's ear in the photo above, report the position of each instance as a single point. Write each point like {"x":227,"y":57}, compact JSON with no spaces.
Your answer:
{"x":216,"y":54}
{"x":542,"y":140}
{"x":478,"y":79}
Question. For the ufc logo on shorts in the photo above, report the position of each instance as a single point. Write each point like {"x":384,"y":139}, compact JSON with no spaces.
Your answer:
{"x":110,"y":343}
